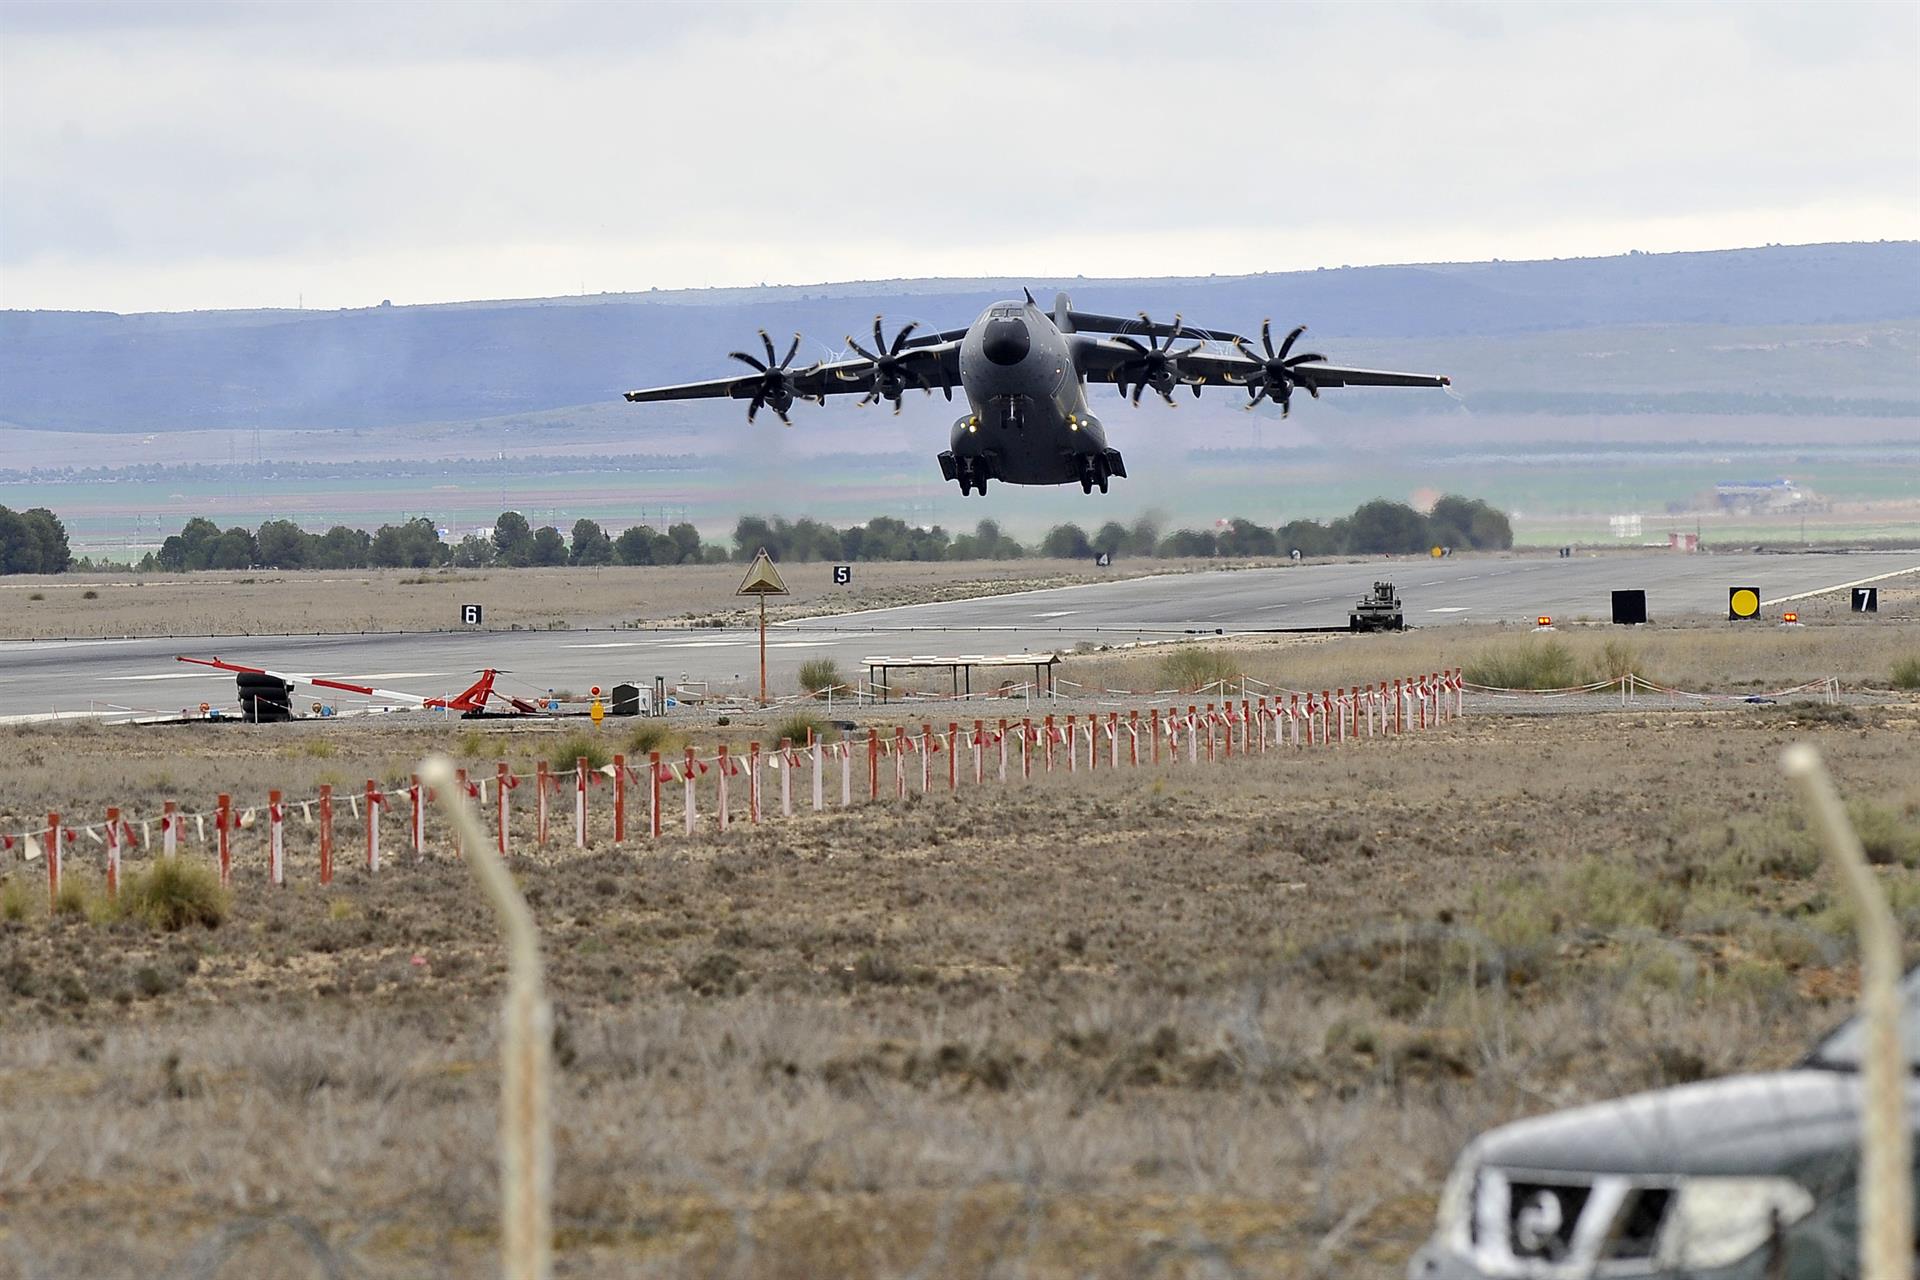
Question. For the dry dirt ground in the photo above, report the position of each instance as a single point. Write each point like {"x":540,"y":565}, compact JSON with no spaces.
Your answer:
{"x":267,"y":601}
{"x":1227,"y":1022}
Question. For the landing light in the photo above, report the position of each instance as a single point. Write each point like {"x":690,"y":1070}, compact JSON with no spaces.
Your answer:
{"x":973,"y":427}
{"x":1544,"y":620}
{"x":1790,"y":618}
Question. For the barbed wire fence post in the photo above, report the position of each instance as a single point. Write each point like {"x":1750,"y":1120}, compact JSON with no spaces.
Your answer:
{"x":526,"y":1141}
{"x":1886,"y":1144}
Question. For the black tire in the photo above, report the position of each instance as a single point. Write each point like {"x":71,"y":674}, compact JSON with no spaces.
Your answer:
{"x":1399,"y":623}
{"x":255,"y":680}
{"x":1353,"y":622}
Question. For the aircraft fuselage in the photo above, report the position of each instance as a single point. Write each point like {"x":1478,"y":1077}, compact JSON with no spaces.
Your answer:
{"x":1028,"y":421}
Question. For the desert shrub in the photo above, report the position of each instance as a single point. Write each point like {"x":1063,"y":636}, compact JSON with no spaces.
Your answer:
{"x":1528,"y":664}
{"x":89,"y":595}
{"x":1618,"y":658}
{"x":76,"y":899}
{"x":174,"y":893}
{"x":651,"y":735}
{"x":16,"y":900}
{"x":1885,"y":835}
{"x":1184,"y":667}
{"x":1906,"y":673}
{"x":797,"y":726}
{"x":574,"y":746}
{"x":817,"y":675}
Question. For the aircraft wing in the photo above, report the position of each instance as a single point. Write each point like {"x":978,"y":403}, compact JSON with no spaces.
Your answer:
{"x":1107,"y":360}
{"x":931,"y":365}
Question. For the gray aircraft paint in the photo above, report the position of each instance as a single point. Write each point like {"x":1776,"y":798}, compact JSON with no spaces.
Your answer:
{"x":1024,"y":374}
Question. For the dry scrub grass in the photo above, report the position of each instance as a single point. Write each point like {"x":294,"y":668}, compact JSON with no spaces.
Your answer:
{"x":1184,"y":1024}
{"x":1861,"y":652}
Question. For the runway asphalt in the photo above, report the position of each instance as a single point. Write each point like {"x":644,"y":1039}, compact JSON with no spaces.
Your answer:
{"x":103,"y":676}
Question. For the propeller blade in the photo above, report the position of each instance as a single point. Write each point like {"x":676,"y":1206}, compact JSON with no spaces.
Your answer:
{"x":861,"y":351}
{"x":879,"y":339}
{"x":1138,"y":387}
{"x":768,"y":344}
{"x":1266,"y":336}
{"x":1305,"y":359}
{"x":1258,"y":396}
{"x":785,"y":421}
{"x":744,"y":358}
{"x":1240,"y":345}
{"x":1181,"y":355}
{"x":753,"y":407}
{"x":1167,"y":395}
{"x":900,"y":338}
{"x":1129,"y":343}
{"x":790,"y":351}
{"x":920,"y":380}
{"x":1290,"y":340}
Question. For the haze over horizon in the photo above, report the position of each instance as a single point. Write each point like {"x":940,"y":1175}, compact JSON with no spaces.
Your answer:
{"x":166,"y":157}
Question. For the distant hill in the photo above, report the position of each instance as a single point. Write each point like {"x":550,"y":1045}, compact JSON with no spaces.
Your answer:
{"x":385,"y":366}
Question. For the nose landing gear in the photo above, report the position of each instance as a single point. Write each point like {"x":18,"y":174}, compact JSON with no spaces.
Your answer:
{"x":1093,"y":471}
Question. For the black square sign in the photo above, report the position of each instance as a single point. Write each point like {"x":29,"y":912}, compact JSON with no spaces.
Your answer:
{"x":1629,"y":608}
{"x":1866,"y":599}
{"x":842,"y":574}
{"x":470,"y":615}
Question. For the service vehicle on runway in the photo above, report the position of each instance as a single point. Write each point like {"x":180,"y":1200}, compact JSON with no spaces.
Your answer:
{"x":1378,"y":611}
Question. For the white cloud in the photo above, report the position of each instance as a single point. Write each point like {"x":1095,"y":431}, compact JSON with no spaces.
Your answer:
{"x":192,"y":156}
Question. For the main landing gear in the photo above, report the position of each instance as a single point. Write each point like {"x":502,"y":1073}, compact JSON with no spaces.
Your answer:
{"x":1093,"y":471}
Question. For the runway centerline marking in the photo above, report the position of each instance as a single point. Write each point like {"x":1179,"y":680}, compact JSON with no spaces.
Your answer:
{"x":1452,"y":608}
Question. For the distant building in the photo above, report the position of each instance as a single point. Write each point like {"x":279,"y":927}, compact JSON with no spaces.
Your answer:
{"x":1760,"y":495}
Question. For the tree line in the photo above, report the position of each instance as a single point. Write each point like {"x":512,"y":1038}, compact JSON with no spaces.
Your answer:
{"x":36,"y":542}
{"x":1379,"y":527}
{"x":416,"y":544}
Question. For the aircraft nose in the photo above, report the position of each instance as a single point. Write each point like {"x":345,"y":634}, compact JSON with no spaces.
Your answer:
{"x":1006,"y":340}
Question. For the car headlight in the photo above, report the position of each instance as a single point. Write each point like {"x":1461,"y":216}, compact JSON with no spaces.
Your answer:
{"x":1715,"y":1222}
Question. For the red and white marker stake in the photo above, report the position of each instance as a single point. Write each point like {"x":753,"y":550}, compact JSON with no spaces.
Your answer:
{"x":223,"y":825}
{"x":53,"y":860}
{"x":374,"y":801}
{"x":170,"y":829}
{"x":326,"y":833}
{"x":417,"y":818}
{"x":113,"y":853}
{"x":619,"y":799}
{"x":582,"y":774}
{"x":654,"y":779}
{"x":503,"y":782}
{"x":726,"y":771}
{"x":692,"y":813}
{"x":276,"y":841}
{"x":542,"y":783}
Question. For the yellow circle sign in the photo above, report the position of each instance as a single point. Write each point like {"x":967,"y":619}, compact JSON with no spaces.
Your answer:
{"x":1742,"y":602}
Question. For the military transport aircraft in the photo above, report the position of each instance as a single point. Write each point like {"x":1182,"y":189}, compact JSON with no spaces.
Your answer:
{"x":1024,"y":374}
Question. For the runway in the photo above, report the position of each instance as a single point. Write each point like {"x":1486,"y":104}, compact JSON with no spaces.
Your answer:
{"x":103,"y":676}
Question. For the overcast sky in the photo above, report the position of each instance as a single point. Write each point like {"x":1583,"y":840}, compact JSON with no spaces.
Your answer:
{"x":169,"y":156}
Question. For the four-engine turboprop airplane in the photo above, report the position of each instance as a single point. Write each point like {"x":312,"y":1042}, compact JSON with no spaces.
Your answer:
{"x":1025,"y":372}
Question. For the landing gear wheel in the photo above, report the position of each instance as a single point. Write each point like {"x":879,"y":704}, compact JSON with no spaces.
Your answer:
{"x":1103,"y":482}
{"x":1086,"y":485}
{"x":981,"y":485}
{"x":966,"y":486}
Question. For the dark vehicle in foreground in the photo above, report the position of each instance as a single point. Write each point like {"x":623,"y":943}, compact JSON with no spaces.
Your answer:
{"x":1743,"y":1178}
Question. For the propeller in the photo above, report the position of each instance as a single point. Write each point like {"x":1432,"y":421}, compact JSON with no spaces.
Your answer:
{"x":890,"y":373}
{"x":776,"y":389}
{"x":1156,"y":364}
{"x":1278,"y":374}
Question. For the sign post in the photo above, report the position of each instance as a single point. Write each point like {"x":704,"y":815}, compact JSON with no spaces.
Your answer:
{"x":762,"y":580}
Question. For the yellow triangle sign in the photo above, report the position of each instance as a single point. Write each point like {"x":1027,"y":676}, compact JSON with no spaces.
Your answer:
{"x":762,"y":578}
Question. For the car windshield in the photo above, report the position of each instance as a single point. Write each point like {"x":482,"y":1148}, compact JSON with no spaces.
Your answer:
{"x":1843,"y":1048}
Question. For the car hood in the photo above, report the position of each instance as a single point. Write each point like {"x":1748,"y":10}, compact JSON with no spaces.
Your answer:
{"x":1759,"y":1124}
